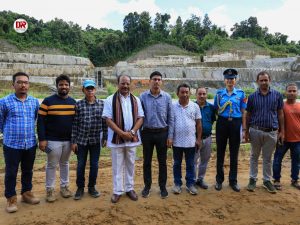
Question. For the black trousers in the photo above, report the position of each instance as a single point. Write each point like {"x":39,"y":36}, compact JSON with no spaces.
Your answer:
{"x":228,"y":130}
{"x":159,"y":140}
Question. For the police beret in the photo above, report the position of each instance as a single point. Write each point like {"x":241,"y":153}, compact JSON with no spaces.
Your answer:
{"x":230,"y":73}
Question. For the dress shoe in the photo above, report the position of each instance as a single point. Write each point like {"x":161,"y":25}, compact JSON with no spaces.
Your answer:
{"x":115,"y":198}
{"x":132,"y":195}
{"x":218,"y":186}
{"x":235,"y":187}
{"x":163,"y":192}
{"x":79,"y":193}
{"x":146,"y":192}
{"x":93,"y":192}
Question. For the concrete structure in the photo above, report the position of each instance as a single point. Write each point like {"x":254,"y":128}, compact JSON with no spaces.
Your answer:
{"x":44,"y":68}
{"x":282,"y":70}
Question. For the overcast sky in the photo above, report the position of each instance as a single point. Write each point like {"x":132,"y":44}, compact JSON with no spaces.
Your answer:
{"x":278,"y":15}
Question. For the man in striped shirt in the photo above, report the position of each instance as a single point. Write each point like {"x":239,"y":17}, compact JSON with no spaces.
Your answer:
{"x":264,"y":126}
{"x":55,"y":118}
{"x":18,"y":112}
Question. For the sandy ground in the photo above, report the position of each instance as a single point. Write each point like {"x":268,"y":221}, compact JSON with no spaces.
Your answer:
{"x":208,"y":207}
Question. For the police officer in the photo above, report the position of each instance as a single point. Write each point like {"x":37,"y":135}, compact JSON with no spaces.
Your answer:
{"x":230,"y":104}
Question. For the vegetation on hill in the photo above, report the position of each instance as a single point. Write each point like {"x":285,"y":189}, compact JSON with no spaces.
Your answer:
{"x":106,"y":46}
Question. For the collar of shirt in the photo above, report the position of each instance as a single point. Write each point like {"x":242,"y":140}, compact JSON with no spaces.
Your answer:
{"x":206,"y":104}
{"x":16,"y":98}
{"x":234,"y":91}
{"x":179,"y":105}
{"x":154,"y":96}
{"x":124,"y":98}
{"x":269,"y":91}
{"x":96,"y":101}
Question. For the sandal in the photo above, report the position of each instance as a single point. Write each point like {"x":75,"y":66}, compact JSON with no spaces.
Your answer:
{"x":277,"y":185}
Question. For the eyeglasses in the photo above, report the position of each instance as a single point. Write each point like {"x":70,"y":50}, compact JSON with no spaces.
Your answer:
{"x":19,"y":82}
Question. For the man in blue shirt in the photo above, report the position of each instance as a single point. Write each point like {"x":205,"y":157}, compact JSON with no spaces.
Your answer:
{"x":157,"y":131}
{"x":202,"y":155}
{"x":18,"y":113}
{"x":265,"y":125}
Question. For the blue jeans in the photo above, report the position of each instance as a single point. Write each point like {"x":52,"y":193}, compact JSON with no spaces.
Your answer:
{"x":81,"y":162}
{"x":13,"y":157}
{"x":189,"y":154}
{"x":295,"y":159}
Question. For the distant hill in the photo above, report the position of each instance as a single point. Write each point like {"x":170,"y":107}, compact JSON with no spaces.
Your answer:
{"x":5,"y":46}
{"x":161,"y":49}
{"x":230,"y":45}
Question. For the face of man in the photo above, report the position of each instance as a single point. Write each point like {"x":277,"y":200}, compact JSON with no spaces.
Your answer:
{"x":263,"y":82}
{"x":89,"y":92}
{"x":201,"y":95}
{"x":155,"y":82}
{"x":229,"y":82}
{"x":124,"y":85}
{"x":183,"y":95}
{"x":291,"y":93}
{"x":63,"y":88}
{"x":21,"y":85}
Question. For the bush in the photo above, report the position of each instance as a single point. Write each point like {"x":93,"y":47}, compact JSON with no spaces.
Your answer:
{"x":111,"y":89}
{"x":210,"y":96}
{"x":248,"y":91}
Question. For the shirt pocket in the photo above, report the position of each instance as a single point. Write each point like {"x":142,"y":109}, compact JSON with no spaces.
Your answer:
{"x":162,"y":108}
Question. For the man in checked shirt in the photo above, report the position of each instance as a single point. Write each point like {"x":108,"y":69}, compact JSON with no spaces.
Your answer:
{"x":89,"y":131}
{"x":18,"y":113}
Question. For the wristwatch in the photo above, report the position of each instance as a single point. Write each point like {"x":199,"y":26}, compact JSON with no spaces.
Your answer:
{"x":132,"y":132}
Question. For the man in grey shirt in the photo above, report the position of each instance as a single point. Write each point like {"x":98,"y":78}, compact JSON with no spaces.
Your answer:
{"x":157,"y":131}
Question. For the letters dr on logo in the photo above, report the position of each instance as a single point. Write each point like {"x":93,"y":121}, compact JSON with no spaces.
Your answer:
{"x":20,"y":25}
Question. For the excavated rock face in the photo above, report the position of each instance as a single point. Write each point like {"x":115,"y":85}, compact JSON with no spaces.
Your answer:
{"x":44,"y":68}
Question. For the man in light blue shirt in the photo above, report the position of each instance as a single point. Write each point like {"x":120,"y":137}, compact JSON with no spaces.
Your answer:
{"x":18,"y":113}
{"x":157,"y":131}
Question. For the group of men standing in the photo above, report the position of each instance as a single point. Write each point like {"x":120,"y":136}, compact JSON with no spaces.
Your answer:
{"x":124,"y":121}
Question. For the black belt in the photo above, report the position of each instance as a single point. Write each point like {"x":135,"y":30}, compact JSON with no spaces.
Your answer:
{"x":205,"y":136}
{"x":229,"y":118}
{"x":263,"y":128}
{"x":155,"y":130}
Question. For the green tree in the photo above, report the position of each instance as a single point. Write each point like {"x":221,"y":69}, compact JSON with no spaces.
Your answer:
{"x":190,"y":43}
{"x":248,"y":29}
{"x":161,"y":22}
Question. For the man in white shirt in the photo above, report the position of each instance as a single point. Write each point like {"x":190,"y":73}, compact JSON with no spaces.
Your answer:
{"x":124,"y":116}
{"x":187,"y":124}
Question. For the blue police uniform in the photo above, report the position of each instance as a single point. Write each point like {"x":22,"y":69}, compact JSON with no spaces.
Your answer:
{"x":229,"y":109}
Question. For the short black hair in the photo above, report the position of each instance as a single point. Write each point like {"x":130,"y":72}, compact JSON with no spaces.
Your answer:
{"x":62,"y":77}
{"x":155,"y":73}
{"x":121,"y":75}
{"x":291,"y":85}
{"x":19,"y":74}
{"x":206,"y":88}
{"x":183,"y":85}
{"x":263,"y":73}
